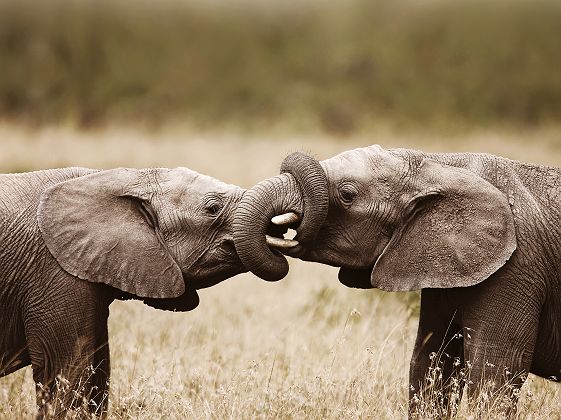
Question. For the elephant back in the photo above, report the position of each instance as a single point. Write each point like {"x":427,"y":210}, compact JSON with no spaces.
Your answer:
{"x":19,"y":199}
{"x":20,"y":191}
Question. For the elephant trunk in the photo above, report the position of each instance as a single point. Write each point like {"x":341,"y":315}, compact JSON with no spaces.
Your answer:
{"x":252,"y":221}
{"x":300,"y":189}
{"x":313,"y":183}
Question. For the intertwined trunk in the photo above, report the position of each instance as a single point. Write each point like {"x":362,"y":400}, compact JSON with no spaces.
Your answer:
{"x":300,"y":188}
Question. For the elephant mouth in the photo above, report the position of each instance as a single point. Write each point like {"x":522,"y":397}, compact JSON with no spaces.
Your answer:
{"x":216,"y":264}
{"x":363,"y":277}
{"x":356,"y":278}
{"x":213,"y":278}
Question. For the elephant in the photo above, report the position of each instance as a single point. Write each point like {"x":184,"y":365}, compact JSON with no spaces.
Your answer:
{"x":74,"y":239}
{"x":479,"y":235}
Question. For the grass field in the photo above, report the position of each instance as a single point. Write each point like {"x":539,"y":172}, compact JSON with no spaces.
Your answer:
{"x":305,"y":347}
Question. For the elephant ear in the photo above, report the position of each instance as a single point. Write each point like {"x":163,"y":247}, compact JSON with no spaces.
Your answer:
{"x":101,"y":228}
{"x":456,"y":233}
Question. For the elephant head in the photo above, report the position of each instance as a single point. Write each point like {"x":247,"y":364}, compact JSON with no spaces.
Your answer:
{"x":156,"y":234}
{"x":396,"y":221}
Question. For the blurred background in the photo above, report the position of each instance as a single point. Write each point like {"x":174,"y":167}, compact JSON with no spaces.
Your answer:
{"x":228,"y":88}
{"x":81,"y":77}
{"x":313,"y":65}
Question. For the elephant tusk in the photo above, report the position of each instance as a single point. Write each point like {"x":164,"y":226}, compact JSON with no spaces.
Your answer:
{"x":281,"y":242}
{"x":286,"y":219}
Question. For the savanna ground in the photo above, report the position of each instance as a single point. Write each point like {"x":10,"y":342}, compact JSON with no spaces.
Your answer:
{"x":305,"y":347}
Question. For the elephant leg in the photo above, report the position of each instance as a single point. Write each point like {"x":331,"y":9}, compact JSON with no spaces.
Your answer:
{"x":13,"y":348}
{"x":60,"y":367}
{"x":100,"y":377}
{"x":69,"y":354}
{"x":496,"y":375}
{"x":498,"y":361}
{"x":434,"y":381}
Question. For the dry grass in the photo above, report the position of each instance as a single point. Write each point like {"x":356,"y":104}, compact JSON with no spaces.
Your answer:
{"x":305,"y":347}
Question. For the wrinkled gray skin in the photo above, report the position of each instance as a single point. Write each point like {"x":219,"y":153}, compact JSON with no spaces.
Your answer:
{"x":480,"y":235}
{"x":73,"y":240}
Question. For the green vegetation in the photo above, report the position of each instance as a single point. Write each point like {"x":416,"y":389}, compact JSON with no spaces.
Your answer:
{"x":339,"y":66}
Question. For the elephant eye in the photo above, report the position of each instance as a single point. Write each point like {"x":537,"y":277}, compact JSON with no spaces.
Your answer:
{"x":213,"y":206}
{"x":347,"y":193}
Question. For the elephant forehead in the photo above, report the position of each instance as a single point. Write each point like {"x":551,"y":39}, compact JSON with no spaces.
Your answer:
{"x":349,"y":164}
{"x":364,"y":163}
{"x":184,"y":179}
{"x":184,"y":185}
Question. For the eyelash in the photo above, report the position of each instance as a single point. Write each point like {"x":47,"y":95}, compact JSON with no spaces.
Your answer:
{"x":213,"y":207}
{"x":347,"y":194}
